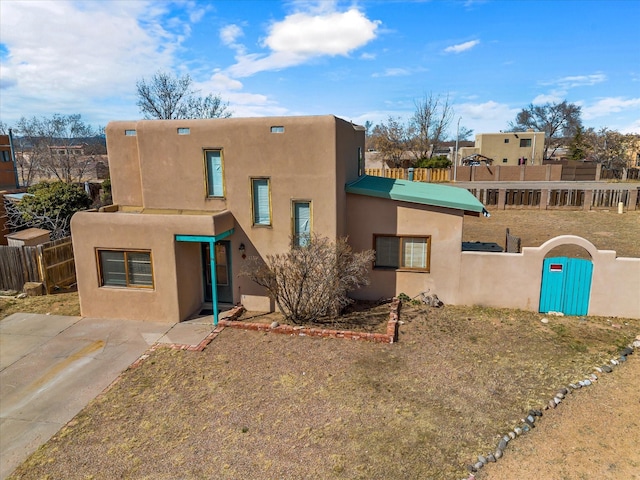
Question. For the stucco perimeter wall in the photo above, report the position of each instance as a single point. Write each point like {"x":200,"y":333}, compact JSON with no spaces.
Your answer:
{"x":124,"y":231}
{"x":513,"y":280}
{"x":368,"y":216}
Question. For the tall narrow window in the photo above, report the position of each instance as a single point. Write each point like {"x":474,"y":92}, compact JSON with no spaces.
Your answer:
{"x":301,"y":223}
{"x":125,"y":269}
{"x":360,"y":162}
{"x":261,"y":199}
{"x":215,"y":185}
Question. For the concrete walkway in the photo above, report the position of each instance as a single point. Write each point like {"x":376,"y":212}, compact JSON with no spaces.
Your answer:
{"x":52,"y":366}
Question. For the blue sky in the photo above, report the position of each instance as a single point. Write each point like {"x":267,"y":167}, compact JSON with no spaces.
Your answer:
{"x":360,"y":60}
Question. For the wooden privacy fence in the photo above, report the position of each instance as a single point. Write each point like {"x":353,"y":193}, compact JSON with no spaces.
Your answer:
{"x":51,"y":263}
{"x":419,"y":174}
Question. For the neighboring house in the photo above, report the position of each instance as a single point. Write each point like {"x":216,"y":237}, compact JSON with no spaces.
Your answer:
{"x":195,"y":200}
{"x":8,"y":177}
{"x":508,"y":148}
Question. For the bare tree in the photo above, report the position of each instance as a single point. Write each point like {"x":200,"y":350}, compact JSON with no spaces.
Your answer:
{"x":166,"y":97}
{"x":392,"y":140}
{"x":558,"y":121}
{"x":54,"y":146}
{"x":429,"y":124}
{"x":311,"y":282}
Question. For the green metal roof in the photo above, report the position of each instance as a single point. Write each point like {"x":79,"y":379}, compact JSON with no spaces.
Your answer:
{"x":416,"y":192}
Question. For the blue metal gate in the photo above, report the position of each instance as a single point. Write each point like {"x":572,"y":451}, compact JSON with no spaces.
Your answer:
{"x":566,"y":285}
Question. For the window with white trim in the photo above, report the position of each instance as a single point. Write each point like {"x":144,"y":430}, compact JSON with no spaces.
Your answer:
{"x":213,"y":167}
{"x":301,"y":223}
{"x":403,"y":252}
{"x":261,"y":201}
{"x":122,"y":268}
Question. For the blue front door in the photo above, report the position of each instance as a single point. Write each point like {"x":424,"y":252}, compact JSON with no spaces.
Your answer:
{"x":566,"y":285}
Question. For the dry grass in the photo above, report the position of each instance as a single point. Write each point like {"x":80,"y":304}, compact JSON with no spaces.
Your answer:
{"x":263,"y":406}
{"x":66,"y":303}
{"x":606,"y":229}
{"x":256,"y":405}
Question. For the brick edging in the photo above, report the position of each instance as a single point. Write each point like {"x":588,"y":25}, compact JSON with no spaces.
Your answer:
{"x":391,"y":336}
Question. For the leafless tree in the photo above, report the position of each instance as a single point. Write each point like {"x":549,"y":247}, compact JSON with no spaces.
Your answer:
{"x":166,"y":97}
{"x":430,"y":124}
{"x":392,"y":140}
{"x":311,"y":282}
{"x":559,"y":122}
{"x":54,"y":146}
{"x":55,"y":222}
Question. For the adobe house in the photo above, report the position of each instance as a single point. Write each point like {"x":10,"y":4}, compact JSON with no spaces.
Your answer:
{"x":194,"y":199}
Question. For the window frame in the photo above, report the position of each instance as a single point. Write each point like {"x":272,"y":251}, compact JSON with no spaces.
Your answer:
{"x":295,"y":243}
{"x":401,"y":253}
{"x":125,"y":252}
{"x":252,"y":181}
{"x":207,"y":186}
{"x":525,"y":143}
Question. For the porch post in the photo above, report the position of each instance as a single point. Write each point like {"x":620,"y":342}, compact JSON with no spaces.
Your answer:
{"x":214,"y":282}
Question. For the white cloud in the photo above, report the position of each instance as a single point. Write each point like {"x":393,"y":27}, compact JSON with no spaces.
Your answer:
{"x":574,"y":81}
{"x":229,"y":36}
{"x":553,"y":97}
{"x":634,"y":127}
{"x":487,"y":117}
{"x":393,"y":72}
{"x":368,"y":56}
{"x":461,"y":47}
{"x":607,"y":106}
{"x":76,"y":54}
{"x":302,"y":36}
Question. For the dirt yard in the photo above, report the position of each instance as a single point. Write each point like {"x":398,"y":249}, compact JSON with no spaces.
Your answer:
{"x":256,"y":405}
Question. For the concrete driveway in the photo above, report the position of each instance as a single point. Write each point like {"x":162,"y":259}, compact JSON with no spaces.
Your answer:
{"x":53,"y":366}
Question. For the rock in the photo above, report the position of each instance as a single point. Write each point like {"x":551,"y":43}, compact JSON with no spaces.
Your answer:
{"x":560,"y":395}
{"x":491,"y":458}
{"x":274,"y":325}
{"x":557,"y":400}
{"x":506,"y":438}
{"x":529,"y":423}
{"x":533,"y":413}
{"x":575,"y":386}
{"x":498,"y":454}
{"x":598,"y":369}
{"x":22,"y":295}
{"x":636,"y":344}
{"x":545,"y":320}
{"x":607,"y":368}
{"x":622,"y":359}
{"x":472,"y":468}
{"x":626,"y":351}
{"x":517,"y":431}
{"x":593,"y":377}
{"x":564,"y":391}
{"x":531,"y":418}
{"x":502,"y":445}
{"x":525,"y":428}
{"x":512,"y":435}
{"x":482,"y":459}
{"x":614,"y":362}
{"x":586,"y":383}
{"x":552,"y":404}
{"x":478,"y":465}
{"x":537,"y":413}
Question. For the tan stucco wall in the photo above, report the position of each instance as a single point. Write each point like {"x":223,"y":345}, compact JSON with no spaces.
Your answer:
{"x":125,"y":231}
{"x":493,"y":145}
{"x":514,"y":280}
{"x":162,"y":174}
{"x":369,"y":215}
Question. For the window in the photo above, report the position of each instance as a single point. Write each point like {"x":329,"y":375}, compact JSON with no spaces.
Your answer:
{"x":215,"y":184}
{"x":261,"y":201}
{"x":525,"y":142}
{"x":360,"y":162}
{"x":403,"y":252}
{"x":6,"y":156}
{"x":130,"y":133}
{"x":301,"y":223}
{"x":277,"y":129}
{"x":184,"y":131}
{"x":119,"y":268}
{"x":504,"y":160}
{"x":506,"y":140}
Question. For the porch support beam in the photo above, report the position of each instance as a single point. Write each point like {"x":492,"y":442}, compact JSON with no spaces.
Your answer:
{"x":211,"y":240}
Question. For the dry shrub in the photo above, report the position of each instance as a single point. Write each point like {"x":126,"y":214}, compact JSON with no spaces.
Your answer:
{"x":313,"y":281}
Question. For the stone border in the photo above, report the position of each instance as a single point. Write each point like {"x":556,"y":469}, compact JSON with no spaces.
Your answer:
{"x":390,"y":337}
{"x":528,"y":422}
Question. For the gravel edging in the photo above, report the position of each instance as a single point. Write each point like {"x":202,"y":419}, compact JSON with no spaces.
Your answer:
{"x":528,"y":422}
